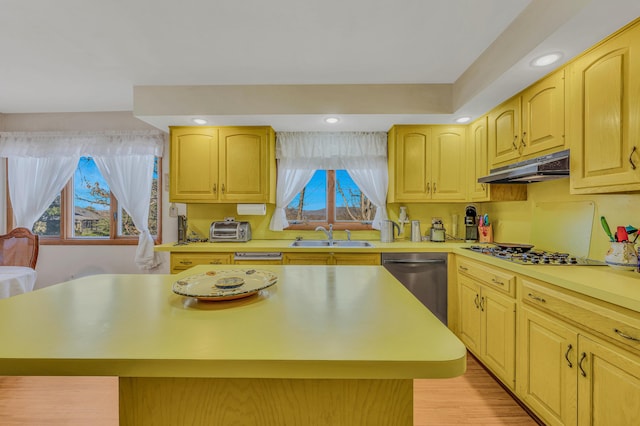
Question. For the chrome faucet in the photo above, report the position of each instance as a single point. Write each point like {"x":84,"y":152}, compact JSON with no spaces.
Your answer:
{"x":328,"y":233}
{"x":348,"y":234}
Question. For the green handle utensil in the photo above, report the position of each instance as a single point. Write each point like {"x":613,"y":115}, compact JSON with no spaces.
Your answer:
{"x":605,"y":226}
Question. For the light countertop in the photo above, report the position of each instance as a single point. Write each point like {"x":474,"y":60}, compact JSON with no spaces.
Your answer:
{"x":316,"y":322}
{"x":621,"y":288}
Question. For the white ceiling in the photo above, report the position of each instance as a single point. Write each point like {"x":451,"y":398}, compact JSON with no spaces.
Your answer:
{"x":88,"y":55}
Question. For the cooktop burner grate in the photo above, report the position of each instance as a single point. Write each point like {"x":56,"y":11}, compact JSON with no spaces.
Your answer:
{"x":526,"y":256}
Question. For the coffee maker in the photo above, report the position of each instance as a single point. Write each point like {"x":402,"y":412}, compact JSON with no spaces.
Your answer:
{"x":471,"y":224}
{"x":182,"y":229}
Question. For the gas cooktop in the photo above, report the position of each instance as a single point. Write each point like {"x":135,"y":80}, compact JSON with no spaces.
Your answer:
{"x":525,"y":255}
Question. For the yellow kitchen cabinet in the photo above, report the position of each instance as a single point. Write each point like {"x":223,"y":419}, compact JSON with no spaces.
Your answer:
{"x":504,"y":133}
{"x":487,"y":317}
{"x":183,"y":261}
{"x":427,"y":164}
{"x":604,"y":127}
{"x":608,"y":385}
{"x":578,"y":358}
{"x":332,"y":258}
{"x":529,"y":124}
{"x":222,"y":165}
{"x":478,"y":160}
{"x":547,"y":363}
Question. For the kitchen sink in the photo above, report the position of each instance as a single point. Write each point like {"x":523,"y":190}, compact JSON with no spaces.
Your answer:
{"x":342,"y":243}
{"x":327,"y":243}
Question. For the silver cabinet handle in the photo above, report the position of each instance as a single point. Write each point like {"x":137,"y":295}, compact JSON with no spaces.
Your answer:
{"x":222,"y":188}
{"x":428,"y":188}
{"x":534,"y":297}
{"x":582,"y":358}
{"x":215,"y":188}
{"x":626,"y":336}
{"x":493,"y":280}
{"x":463,"y":268}
{"x":633,"y":166}
{"x":566,"y":356}
{"x":515,"y":145}
{"x":434,"y":187}
{"x":186,"y":262}
{"x":482,"y":303}
{"x":523,"y":142}
{"x":476,"y":301}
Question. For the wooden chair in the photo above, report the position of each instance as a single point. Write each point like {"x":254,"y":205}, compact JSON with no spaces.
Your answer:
{"x":19,"y":248}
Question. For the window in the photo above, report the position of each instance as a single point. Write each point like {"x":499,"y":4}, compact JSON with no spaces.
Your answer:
{"x":87,"y":212}
{"x":331,"y":197}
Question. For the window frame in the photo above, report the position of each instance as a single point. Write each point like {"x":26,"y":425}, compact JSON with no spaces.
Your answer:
{"x":66,"y":225}
{"x":331,"y":212}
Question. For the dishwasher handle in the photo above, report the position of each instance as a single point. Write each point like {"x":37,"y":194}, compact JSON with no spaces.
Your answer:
{"x":415,"y":261}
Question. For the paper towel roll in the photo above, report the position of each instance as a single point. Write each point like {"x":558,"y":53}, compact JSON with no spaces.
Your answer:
{"x":252,"y":209}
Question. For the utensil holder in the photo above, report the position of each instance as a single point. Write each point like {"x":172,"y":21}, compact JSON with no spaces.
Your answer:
{"x":485,"y":234}
{"x":622,"y":255}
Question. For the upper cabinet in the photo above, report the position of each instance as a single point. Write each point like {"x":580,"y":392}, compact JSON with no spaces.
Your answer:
{"x":478,"y":160}
{"x":222,"y":164}
{"x":529,"y":124}
{"x":427,"y":164}
{"x":604,"y":116}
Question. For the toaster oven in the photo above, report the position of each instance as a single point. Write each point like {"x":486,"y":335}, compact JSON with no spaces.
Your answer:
{"x":229,"y":230}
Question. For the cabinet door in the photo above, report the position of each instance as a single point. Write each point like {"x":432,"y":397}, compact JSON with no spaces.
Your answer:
{"x":499,"y":335}
{"x":543,"y":116}
{"x":448,"y":175}
{"x":504,"y":132}
{"x":194,"y":164}
{"x":183,"y":261}
{"x":608,"y":385}
{"x":547,"y":365}
{"x":244,"y":164}
{"x":469,"y":313}
{"x":478,"y":159}
{"x":410,"y":173}
{"x":605,"y":116}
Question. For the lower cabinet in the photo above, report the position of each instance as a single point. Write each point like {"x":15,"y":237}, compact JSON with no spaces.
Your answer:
{"x":183,"y":261}
{"x":331,"y":259}
{"x":487,"y":317}
{"x":568,"y":374}
{"x":547,"y":365}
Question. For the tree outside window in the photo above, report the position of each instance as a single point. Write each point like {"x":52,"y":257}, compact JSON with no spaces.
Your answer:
{"x":87,"y":210}
{"x":331,"y":197}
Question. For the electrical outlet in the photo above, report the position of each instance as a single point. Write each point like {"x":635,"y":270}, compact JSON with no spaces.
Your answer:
{"x":173,"y":210}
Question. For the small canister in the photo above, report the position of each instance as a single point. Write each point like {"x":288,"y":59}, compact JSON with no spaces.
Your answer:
{"x":415,"y":231}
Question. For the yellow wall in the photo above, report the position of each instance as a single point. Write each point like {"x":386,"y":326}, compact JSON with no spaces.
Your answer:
{"x":513,"y":218}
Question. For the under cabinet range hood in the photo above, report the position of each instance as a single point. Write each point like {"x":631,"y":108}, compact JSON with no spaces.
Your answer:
{"x":548,"y":167}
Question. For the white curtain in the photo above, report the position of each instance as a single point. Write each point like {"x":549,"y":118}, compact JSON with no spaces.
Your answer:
{"x":362,"y":154}
{"x":129,"y":178}
{"x":41,"y":163}
{"x":34,"y":183}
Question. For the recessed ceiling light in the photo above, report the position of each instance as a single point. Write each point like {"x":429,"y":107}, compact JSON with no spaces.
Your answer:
{"x":546,"y":60}
{"x":331,"y":120}
{"x":199,"y":121}
{"x":464,"y":119}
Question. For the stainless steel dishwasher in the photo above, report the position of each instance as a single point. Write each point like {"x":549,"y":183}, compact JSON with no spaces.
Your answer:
{"x":424,"y":275}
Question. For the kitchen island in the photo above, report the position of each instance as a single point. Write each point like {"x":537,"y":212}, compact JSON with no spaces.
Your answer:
{"x":336,"y":345}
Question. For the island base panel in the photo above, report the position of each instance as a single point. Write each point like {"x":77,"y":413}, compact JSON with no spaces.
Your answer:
{"x":207,"y":401}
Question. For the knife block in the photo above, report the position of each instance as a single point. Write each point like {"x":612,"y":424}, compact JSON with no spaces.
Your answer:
{"x":485,"y":233}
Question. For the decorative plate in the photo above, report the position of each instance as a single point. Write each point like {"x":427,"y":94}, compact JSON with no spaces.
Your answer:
{"x":225,"y":285}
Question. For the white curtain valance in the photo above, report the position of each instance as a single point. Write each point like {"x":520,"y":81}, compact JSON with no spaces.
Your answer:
{"x":331,"y":150}
{"x":59,"y":144}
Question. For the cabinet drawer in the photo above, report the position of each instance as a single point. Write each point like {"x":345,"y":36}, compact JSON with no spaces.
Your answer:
{"x":615,"y":324}
{"x":183,"y":261}
{"x":495,"y":278}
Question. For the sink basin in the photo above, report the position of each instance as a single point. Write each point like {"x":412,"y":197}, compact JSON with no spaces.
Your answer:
{"x":352,"y":244}
{"x":325,"y":243}
{"x":310,"y":243}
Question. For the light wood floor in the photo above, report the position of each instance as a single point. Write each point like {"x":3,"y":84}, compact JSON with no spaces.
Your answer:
{"x":473,"y":399}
